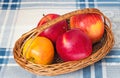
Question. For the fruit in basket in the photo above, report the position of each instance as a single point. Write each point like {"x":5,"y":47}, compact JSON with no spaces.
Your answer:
{"x":55,"y":30}
{"x":39,"y":50}
{"x":73,"y":45}
{"x":90,"y":23}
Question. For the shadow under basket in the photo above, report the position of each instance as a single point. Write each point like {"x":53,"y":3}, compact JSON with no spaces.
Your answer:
{"x":100,"y":49}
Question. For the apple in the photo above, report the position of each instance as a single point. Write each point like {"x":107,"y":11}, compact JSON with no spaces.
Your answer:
{"x":73,"y":45}
{"x":55,"y":30}
{"x":39,"y":50}
{"x":90,"y":23}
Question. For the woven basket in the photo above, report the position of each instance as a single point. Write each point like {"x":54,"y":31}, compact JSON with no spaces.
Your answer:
{"x":100,"y":49}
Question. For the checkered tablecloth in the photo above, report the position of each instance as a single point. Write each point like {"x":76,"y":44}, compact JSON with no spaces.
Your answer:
{"x":20,"y":16}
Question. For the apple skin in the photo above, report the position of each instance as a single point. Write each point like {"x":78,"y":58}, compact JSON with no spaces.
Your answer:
{"x":39,"y":51}
{"x":90,"y":23}
{"x":73,"y":45}
{"x":54,"y":31}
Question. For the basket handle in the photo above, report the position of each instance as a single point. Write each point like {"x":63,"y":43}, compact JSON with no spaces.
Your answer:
{"x":36,"y":31}
{"x":107,"y":20}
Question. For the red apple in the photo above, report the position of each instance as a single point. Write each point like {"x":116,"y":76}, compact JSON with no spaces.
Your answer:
{"x":73,"y":45}
{"x":54,"y":31}
{"x":90,"y":23}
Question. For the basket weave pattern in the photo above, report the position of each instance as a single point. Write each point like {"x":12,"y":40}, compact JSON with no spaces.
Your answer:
{"x":100,"y":49}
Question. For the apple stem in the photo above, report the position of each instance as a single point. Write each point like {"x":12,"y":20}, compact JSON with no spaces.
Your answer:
{"x":43,"y":14}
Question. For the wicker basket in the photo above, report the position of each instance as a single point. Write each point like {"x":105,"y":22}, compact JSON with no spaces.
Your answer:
{"x":100,"y":49}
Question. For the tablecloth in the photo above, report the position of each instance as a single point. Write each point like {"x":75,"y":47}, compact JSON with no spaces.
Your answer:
{"x":20,"y":16}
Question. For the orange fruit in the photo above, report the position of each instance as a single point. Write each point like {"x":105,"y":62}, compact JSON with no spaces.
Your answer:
{"x":39,"y":50}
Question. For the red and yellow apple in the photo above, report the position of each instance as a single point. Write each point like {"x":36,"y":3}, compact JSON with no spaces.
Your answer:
{"x":55,"y":30}
{"x":73,"y":45}
{"x":90,"y":23}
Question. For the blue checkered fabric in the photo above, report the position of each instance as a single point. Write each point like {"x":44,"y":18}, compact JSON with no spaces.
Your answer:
{"x":10,"y":4}
{"x":20,"y":16}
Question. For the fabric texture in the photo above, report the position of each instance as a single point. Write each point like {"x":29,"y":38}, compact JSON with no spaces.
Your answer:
{"x":20,"y":16}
